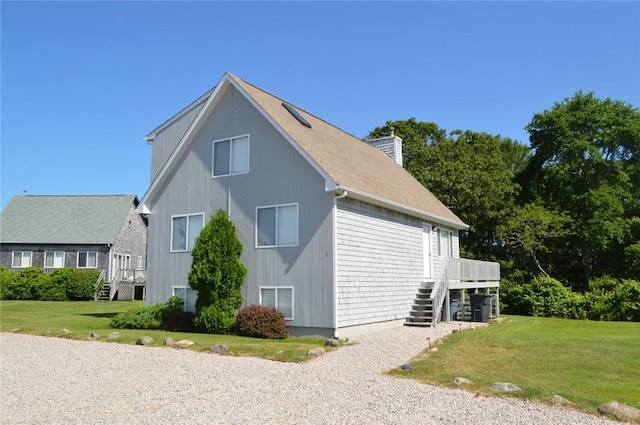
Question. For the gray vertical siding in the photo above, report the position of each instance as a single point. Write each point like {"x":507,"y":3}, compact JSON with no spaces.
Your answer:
{"x":277,"y":175}
{"x":379,"y":263}
{"x":167,"y":138}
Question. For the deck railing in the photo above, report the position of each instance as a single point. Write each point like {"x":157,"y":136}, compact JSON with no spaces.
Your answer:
{"x":465,"y":270}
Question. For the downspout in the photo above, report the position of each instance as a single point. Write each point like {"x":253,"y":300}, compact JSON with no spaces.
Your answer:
{"x":335,"y":262}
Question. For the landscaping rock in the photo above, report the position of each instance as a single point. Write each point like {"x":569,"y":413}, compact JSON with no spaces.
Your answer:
{"x":144,"y":340}
{"x":407,"y":367}
{"x":621,"y":412}
{"x":505,"y":387}
{"x":66,"y":332}
{"x":94,"y":335}
{"x":459,"y":382}
{"x":218,"y":348}
{"x":168,"y":341}
{"x":184,"y":343}
{"x":316,"y":352}
{"x":113,"y":335}
{"x":332,"y":342}
{"x":560,"y":401}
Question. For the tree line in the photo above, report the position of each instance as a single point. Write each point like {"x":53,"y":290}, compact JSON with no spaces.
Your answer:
{"x":564,"y":206}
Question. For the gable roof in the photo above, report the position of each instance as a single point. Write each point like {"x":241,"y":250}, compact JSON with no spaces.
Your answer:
{"x":75,"y":219}
{"x":346,"y":163}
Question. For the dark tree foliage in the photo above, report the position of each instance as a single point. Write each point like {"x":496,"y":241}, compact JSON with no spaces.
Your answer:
{"x":585,"y":166}
{"x":217,"y":274}
{"x":472,"y":173}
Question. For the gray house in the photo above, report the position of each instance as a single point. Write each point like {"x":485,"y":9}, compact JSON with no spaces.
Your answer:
{"x":337,"y":235}
{"x":93,"y":232}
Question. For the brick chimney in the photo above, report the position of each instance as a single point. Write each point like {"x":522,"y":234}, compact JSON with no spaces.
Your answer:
{"x":390,"y":145}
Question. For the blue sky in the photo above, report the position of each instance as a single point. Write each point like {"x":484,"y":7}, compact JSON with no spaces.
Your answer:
{"x":82,"y":83}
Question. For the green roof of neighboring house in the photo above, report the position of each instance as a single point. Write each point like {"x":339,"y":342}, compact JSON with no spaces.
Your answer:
{"x":75,"y":219}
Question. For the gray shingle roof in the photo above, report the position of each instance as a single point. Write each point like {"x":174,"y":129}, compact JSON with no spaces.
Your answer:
{"x":75,"y":219}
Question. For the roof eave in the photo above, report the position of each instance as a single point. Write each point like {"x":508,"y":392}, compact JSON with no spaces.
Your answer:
{"x":394,"y":206}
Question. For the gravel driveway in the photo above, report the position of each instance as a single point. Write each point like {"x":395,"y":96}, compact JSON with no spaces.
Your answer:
{"x":60,"y":381}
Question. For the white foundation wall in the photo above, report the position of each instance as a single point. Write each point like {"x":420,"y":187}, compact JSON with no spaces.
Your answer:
{"x":379,"y":263}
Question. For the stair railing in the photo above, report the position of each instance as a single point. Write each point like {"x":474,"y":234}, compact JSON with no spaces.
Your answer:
{"x":98,"y":285}
{"x":441,"y":287}
{"x":115,"y":280}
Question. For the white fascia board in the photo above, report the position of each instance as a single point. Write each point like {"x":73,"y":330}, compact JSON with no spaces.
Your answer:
{"x":394,"y":206}
{"x":188,"y":136}
{"x":329,"y":184}
{"x":152,"y":134}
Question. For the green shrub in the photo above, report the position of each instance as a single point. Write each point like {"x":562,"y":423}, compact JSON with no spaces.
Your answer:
{"x":149,"y":317}
{"x":216,"y":320}
{"x":81,"y":285}
{"x":261,"y":322}
{"x":512,"y":299}
{"x":613,"y":299}
{"x":23,"y":285}
{"x":547,"y":297}
{"x":46,"y":289}
{"x":7,"y":278}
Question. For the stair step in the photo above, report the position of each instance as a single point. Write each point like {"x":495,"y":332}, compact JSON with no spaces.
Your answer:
{"x":418,"y":324}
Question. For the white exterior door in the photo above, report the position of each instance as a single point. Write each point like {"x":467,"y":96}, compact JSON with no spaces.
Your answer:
{"x":426,"y":249}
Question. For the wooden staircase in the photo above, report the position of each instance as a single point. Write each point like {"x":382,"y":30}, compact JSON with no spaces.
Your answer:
{"x":421,"y":313}
{"x":104,"y":294}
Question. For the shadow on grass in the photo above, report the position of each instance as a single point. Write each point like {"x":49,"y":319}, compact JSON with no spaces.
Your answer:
{"x":98,"y":315}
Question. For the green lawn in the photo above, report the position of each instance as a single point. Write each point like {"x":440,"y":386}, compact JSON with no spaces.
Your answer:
{"x":585,"y":362}
{"x":84,"y":317}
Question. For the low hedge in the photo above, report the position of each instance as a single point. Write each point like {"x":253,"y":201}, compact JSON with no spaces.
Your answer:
{"x":32,"y":283}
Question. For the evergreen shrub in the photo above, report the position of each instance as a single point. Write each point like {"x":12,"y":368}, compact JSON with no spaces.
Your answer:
{"x":261,"y":322}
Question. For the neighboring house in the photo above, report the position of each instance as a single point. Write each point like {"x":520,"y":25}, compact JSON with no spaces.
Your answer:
{"x":89,"y":232}
{"x":337,"y":236}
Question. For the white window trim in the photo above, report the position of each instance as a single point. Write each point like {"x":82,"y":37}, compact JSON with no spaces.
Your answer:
{"x":293,"y":303}
{"x":276,"y":207}
{"x":86,"y":267}
{"x":230,"y":139}
{"x":21,"y":266}
{"x":186,"y":232}
{"x":54,"y":259}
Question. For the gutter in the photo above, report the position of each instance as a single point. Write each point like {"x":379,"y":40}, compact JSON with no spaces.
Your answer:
{"x":335,"y":261}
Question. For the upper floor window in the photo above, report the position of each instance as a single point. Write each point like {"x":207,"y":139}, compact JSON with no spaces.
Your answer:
{"x":53,"y":259}
{"x":445,"y":243}
{"x":231,"y":156}
{"x":21,"y":259}
{"x":185,"y":230}
{"x":277,"y":226}
{"x":87,"y":260}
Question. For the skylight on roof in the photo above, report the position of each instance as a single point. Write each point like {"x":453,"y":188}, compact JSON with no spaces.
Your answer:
{"x":296,"y":114}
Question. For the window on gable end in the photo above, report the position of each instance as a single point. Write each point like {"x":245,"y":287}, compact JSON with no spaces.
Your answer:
{"x":230,"y":156}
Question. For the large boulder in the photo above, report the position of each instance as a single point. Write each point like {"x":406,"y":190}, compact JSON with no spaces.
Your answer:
{"x":183,"y":343}
{"x":144,"y":340}
{"x":505,"y":387}
{"x":621,"y":412}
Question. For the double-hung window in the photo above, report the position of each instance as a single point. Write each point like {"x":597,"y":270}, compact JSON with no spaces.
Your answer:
{"x":185,"y":230}
{"x":278,"y":297}
{"x":445,"y":243}
{"x":277,"y":226}
{"x":21,"y":259}
{"x":231,"y":156}
{"x":53,"y":259}
{"x":87,"y":259}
